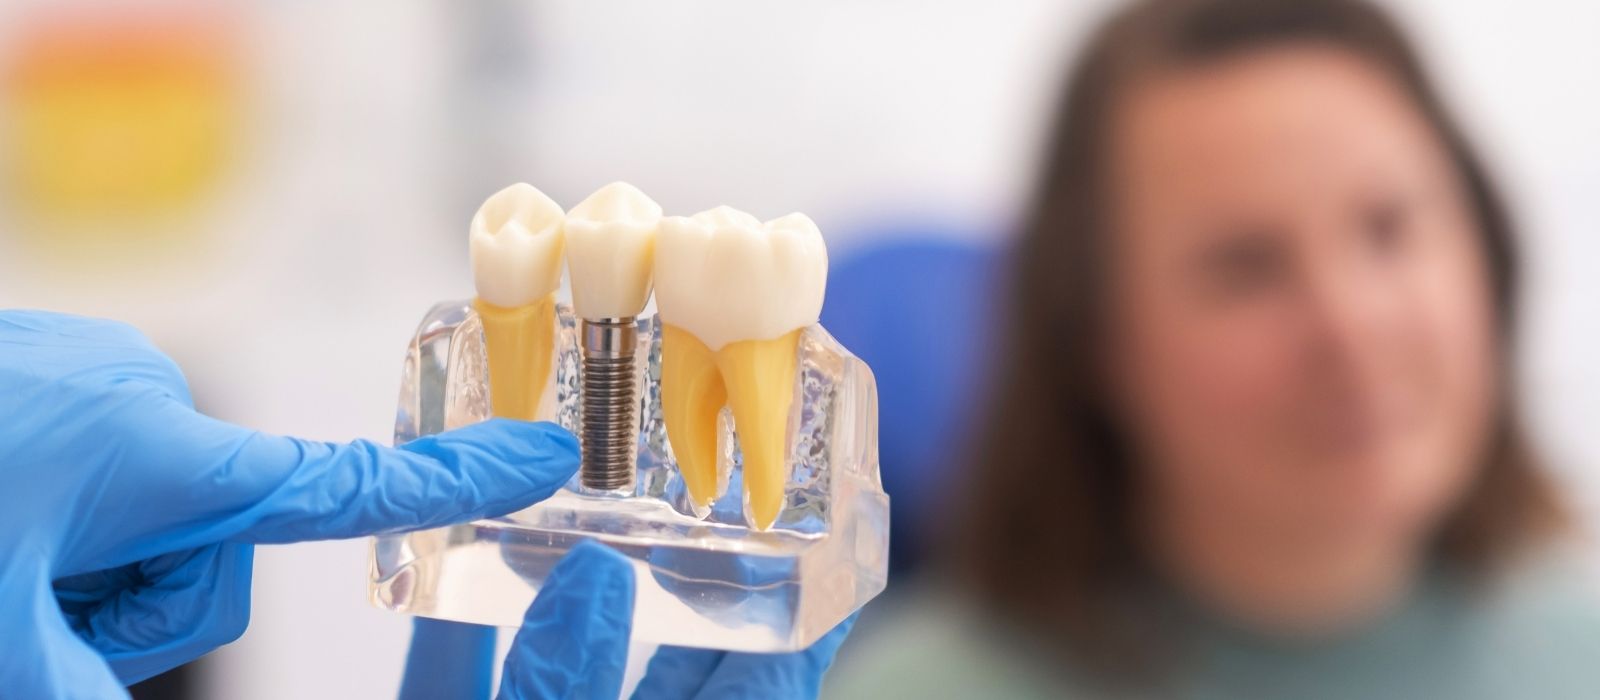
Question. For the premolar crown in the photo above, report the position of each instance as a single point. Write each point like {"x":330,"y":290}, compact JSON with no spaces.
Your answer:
{"x":733,"y":295}
{"x":516,"y":241}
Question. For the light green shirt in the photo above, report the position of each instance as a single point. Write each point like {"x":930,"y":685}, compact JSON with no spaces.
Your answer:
{"x":1535,"y":637}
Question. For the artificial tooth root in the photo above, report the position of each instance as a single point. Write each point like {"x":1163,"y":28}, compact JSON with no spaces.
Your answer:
{"x":520,"y":343}
{"x":755,"y":379}
{"x":760,"y":378}
{"x":692,"y":394}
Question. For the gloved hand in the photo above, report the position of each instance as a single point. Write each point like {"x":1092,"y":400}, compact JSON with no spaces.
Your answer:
{"x":574,"y":644}
{"x":127,"y":519}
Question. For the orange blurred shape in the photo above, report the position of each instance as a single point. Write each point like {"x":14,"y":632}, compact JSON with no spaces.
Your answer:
{"x":119,"y":116}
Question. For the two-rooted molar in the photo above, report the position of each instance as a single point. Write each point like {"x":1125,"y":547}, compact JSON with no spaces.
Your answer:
{"x":517,"y":246}
{"x":733,"y":295}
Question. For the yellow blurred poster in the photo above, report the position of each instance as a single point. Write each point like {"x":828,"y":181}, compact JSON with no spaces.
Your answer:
{"x":116,"y":121}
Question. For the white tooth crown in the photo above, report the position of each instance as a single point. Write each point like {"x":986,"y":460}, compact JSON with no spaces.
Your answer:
{"x":611,"y":240}
{"x":724,"y":276}
{"x":517,"y":245}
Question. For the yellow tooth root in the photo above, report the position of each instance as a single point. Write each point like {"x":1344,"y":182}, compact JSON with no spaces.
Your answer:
{"x":521,"y":344}
{"x":760,"y":380}
{"x":692,"y":394}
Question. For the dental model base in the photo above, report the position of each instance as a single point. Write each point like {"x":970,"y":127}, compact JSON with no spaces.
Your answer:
{"x":729,"y":443}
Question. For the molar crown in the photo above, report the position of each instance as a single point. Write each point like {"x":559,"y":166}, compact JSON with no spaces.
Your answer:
{"x":724,"y":276}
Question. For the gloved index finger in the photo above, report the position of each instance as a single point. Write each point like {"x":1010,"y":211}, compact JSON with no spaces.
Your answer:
{"x":267,"y":489}
{"x":333,"y":491}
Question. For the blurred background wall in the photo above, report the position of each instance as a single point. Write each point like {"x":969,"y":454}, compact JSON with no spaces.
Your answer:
{"x":276,"y":191}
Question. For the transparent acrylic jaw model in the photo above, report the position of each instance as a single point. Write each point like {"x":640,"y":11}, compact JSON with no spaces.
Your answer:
{"x":703,"y":579}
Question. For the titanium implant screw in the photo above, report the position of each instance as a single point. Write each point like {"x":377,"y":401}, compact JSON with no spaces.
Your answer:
{"x":609,"y":435}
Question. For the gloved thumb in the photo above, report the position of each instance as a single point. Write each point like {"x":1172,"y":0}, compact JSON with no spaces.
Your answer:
{"x":574,"y":638}
{"x":43,"y":658}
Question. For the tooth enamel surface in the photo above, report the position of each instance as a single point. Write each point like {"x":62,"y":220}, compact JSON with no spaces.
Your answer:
{"x":611,"y":240}
{"x":724,"y":276}
{"x":516,"y":241}
{"x":733,"y":295}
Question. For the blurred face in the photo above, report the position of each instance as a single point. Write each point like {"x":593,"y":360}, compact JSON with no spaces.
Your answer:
{"x":1302,"y":342}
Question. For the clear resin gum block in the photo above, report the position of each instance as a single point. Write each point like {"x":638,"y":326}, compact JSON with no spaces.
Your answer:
{"x":704,"y":579}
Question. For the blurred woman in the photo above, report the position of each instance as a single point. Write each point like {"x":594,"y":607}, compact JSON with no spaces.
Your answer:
{"x":1255,"y":435}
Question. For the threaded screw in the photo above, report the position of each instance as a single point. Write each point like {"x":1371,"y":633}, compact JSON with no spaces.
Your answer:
{"x":610,"y":433}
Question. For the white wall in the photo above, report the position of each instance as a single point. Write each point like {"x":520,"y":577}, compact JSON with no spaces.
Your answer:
{"x":1524,"y":80}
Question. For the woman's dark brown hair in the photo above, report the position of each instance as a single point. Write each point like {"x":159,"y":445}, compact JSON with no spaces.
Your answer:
{"x":1048,"y":542}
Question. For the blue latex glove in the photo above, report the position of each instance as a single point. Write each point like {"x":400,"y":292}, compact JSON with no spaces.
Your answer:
{"x":574,"y":644}
{"x":127,"y":519}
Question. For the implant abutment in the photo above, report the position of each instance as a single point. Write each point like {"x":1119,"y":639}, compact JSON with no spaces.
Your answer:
{"x":609,"y":431}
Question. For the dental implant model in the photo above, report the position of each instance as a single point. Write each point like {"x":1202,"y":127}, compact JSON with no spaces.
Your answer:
{"x":516,"y":242}
{"x":729,"y":443}
{"x":611,"y":238}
